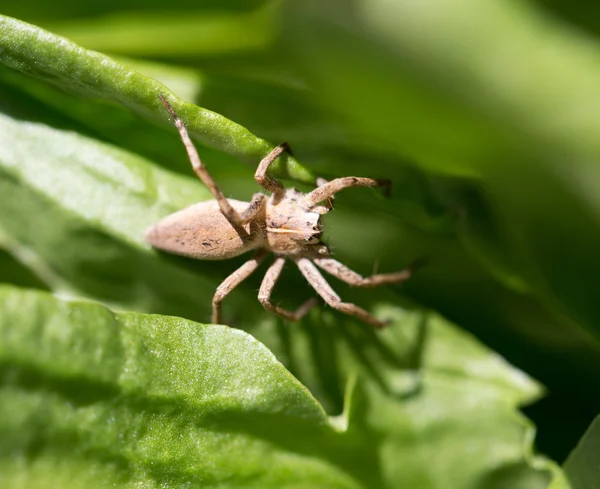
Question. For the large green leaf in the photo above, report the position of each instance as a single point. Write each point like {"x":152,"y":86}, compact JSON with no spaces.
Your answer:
{"x":93,"y":398}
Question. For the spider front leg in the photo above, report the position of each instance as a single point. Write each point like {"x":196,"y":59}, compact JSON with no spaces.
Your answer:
{"x":329,"y":189}
{"x":341,"y":271}
{"x":233,"y":281}
{"x":328,"y":206}
{"x":275,"y":186}
{"x":266,"y":289}
{"x":264,"y":180}
{"x":229,"y":212}
{"x":318,"y":282}
{"x":256,"y":205}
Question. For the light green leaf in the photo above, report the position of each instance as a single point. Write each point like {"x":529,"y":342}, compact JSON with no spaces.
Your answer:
{"x":84,"y":231}
{"x":96,"y":398}
{"x":93,"y":398}
{"x":583,"y":465}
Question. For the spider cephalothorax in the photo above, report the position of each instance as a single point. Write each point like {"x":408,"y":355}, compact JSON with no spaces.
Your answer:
{"x":291,"y":225}
{"x":286,"y":223}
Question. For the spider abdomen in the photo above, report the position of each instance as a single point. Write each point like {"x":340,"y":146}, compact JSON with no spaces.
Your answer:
{"x":201,"y":231}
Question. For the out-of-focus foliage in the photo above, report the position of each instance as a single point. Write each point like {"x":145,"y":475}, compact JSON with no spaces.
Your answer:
{"x":481,"y":112}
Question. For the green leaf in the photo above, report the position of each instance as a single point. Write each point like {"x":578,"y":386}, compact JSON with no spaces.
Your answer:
{"x":38,"y":53}
{"x":583,"y":465}
{"x":128,"y":399}
{"x":85,"y":233}
{"x":94,"y":398}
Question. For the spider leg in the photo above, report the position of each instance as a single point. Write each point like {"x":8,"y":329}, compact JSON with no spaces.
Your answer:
{"x":233,"y":281}
{"x":267,"y":286}
{"x":318,"y":282}
{"x":341,"y":271}
{"x":264,"y":180}
{"x":227,"y":210}
{"x":329,"y":205}
{"x":256,"y":205}
{"x":327,"y":190}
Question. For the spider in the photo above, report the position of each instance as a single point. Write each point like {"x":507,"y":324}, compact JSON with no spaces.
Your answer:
{"x":286,"y":223}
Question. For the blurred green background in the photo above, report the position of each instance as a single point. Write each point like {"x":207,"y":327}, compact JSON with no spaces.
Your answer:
{"x":484,"y":114}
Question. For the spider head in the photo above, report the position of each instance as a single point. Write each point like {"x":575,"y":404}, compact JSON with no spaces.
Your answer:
{"x":291,"y":228}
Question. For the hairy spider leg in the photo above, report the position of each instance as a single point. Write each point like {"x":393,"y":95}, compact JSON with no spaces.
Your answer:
{"x":267,"y":286}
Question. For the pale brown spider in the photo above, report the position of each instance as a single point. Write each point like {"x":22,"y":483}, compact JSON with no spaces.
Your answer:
{"x":286,"y":223}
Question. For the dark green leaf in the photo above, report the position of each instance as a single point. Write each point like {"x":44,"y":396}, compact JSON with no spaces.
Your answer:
{"x":38,"y":53}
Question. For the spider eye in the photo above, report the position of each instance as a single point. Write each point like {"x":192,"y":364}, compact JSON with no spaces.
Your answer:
{"x":312,"y":240}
